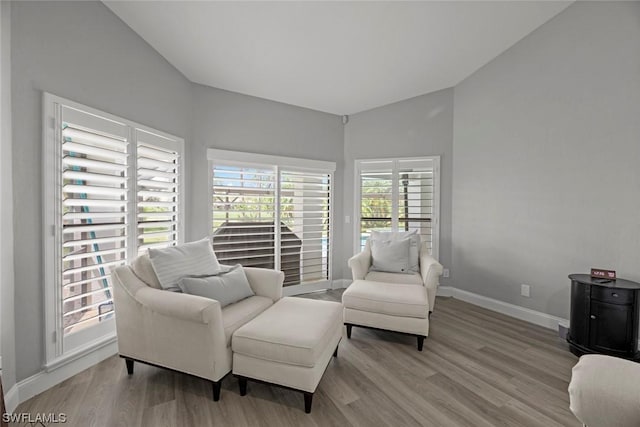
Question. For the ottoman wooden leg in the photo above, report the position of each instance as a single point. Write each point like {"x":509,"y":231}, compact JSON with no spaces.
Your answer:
{"x":217,"y":385}
{"x":242,"y":382}
{"x":349,"y":330}
{"x":420,"y":342}
{"x":308,"y":400}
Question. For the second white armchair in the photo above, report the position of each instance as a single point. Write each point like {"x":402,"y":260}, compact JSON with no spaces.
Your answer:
{"x":428,"y":276}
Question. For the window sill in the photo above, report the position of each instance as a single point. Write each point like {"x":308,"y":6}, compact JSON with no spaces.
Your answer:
{"x":77,"y":353}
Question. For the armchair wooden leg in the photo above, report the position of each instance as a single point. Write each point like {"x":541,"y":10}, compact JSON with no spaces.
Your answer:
{"x":308,"y":400}
{"x":420,"y":342}
{"x":349,"y":330}
{"x":129,"y":363}
{"x":242,"y":382}
{"x":217,"y":386}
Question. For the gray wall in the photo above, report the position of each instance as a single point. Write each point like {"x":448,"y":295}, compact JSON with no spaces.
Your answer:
{"x":7,"y":320}
{"x":546,"y":159}
{"x":83,"y":52}
{"x":230,"y":121}
{"x":420,"y":126}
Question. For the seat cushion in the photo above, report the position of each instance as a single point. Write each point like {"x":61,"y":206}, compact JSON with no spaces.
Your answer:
{"x":236,"y":315}
{"x":381,"y":276}
{"x":387,"y":298}
{"x":294,"y":331}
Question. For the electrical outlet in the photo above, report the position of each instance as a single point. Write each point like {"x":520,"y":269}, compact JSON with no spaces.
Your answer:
{"x":525,"y":290}
{"x":445,"y":272}
{"x":347,"y":219}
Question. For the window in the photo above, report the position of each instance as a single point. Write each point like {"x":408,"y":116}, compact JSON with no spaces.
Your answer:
{"x":273,"y":212}
{"x":112,"y":188}
{"x":398,"y":195}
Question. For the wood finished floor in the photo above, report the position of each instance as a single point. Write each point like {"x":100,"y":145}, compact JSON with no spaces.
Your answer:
{"x":478,"y":368}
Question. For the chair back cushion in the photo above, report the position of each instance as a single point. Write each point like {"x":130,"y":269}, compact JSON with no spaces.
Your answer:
{"x":390,"y":255}
{"x":414,"y":244}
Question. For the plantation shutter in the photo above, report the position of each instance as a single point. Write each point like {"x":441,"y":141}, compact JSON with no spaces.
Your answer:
{"x":158,"y":191}
{"x":100,"y":173}
{"x":398,"y":195}
{"x":93,"y":215}
{"x":305,"y":218}
{"x":415,"y":198}
{"x":376,"y":199}
{"x":244,"y":213}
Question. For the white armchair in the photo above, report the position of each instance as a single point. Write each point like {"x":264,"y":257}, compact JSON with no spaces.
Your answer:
{"x":182,"y":332}
{"x":396,"y":302}
{"x":429,"y":275}
{"x":605,"y":391}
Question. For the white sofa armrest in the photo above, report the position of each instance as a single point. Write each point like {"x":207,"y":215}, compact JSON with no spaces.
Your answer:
{"x":181,"y":306}
{"x":430,"y":271}
{"x":360,"y":264}
{"x":604,"y":391}
{"x":265,"y":282}
{"x":173,"y":304}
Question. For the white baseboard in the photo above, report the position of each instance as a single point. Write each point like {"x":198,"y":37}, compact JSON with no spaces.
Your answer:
{"x":11,"y":399}
{"x":445,"y":291}
{"x":44,"y":380}
{"x":528,"y":315}
{"x":340,"y":283}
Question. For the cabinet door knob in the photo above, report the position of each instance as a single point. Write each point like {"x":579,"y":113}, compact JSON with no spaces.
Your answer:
{"x":615,"y":295}
{"x":592,"y":316}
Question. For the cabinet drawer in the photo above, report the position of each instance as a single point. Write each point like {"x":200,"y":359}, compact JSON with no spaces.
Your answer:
{"x":612,"y":295}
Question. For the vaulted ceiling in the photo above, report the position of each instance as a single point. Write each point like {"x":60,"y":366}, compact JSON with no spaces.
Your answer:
{"x":337,"y":57}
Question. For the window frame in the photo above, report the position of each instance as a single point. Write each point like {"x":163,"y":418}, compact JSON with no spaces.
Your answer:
{"x":98,"y":336}
{"x":280,"y":164}
{"x":357,"y":200}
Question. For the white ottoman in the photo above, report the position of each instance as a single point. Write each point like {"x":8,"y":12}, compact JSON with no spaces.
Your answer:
{"x":387,"y":306}
{"x":290,"y":344}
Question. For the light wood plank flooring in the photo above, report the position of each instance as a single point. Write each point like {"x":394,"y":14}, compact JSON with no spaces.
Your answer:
{"x":478,"y":368}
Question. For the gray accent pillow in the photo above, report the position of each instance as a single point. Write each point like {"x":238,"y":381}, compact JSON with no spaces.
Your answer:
{"x":193,"y":258}
{"x":414,"y":245}
{"x":391,"y":256}
{"x":226,"y":287}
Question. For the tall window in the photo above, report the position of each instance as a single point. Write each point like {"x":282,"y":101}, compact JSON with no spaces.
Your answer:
{"x":112,"y":188}
{"x":398,"y":195}
{"x":273,"y":212}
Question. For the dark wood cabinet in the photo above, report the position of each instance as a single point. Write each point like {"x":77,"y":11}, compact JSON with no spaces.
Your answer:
{"x":604,"y":317}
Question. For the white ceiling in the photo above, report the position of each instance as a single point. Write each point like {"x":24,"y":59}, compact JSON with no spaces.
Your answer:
{"x":337,"y":57}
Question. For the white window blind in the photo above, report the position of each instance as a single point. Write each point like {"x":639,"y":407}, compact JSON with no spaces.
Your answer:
{"x":273,"y":212}
{"x":398,"y":195}
{"x":244,"y":212}
{"x":158,"y":191}
{"x":305,"y":217}
{"x":94,"y":213}
{"x":415,"y":198}
{"x":111,"y":187}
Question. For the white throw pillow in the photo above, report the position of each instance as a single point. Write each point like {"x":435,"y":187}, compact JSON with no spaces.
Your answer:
{"x":188,"y":259}
{"x":414,"y":245}
{"x":227,"y":287}
{"x":391,"y":256}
